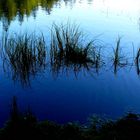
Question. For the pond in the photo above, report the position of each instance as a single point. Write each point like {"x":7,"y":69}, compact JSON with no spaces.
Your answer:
{"x":69,"y":91}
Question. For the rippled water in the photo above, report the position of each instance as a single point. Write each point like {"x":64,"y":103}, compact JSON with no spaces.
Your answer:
{"x":69,"y":96}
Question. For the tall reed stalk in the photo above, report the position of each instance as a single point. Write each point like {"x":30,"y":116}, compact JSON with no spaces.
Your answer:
{"x":118,"y":58}
{"x":137,"y":61}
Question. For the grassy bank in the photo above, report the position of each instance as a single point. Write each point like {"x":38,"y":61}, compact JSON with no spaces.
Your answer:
{"x":25,"y":126}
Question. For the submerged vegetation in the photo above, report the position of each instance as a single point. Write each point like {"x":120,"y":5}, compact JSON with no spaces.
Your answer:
{"x":25,"y":126}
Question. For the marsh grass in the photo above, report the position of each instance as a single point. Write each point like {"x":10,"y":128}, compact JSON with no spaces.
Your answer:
{"x":69,"y":48}
{"x":23,"y":55}
{"x":119,"y":60}
{"x":70,"y":51}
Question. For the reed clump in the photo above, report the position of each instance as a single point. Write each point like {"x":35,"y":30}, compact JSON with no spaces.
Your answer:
{"x":25,"y":55}
{"x":69,"y":48}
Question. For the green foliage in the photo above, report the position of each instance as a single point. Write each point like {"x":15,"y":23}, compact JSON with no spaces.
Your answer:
{"x":9,"y":9}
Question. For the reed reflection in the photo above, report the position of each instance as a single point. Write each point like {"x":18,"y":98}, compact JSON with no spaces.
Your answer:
{"x":137,"y":61}
{"x":119,"y":59}
{"x":69,"y":51}
{"x":23,"y":56}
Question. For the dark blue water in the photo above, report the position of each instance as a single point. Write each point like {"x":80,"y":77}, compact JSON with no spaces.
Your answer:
{"x":69,"y":96}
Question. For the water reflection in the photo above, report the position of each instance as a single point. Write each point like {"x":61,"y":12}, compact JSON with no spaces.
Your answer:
{"x":68,"y":51}
{"x":119,"y":59}
{"x":137,"y":62}
{"x":23,"y":56}
{"x":23,"y":63}
{"x":10,"y":9}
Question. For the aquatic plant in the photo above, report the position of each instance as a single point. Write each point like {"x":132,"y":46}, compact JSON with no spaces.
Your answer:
{"x":119,"y":59}
{"x":69,"y":48}
{"x":23,"y":55}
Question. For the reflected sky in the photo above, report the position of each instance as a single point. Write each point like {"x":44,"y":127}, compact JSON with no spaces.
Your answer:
{"x":103,"y":19}
{"x":70,"y":98}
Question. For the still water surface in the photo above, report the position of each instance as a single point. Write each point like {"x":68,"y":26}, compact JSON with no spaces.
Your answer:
{"x":69,"y":96}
